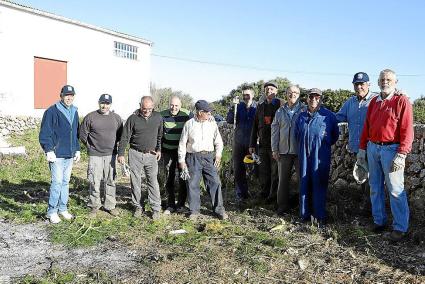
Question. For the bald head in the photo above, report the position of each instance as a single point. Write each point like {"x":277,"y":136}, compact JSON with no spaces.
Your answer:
{"x":146,"y":106}
{"x":175,"y":105}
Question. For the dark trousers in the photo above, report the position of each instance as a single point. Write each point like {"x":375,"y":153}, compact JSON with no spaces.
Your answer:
{"x":285,"y":165}
{"x":170,"y":161}
{"x":241,"y":184}
{"x":202,"y":165}
{"x":268,"y":173}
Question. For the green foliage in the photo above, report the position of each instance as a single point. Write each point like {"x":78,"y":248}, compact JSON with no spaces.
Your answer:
{"x":419,"y":110}
{"x":334,"y":99}
{"x":162,"y":97}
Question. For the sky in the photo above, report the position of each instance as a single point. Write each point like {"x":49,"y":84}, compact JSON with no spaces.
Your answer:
{"x":312,"y":43}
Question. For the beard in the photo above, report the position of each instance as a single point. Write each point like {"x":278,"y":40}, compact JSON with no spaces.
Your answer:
{"x":387,"y":89}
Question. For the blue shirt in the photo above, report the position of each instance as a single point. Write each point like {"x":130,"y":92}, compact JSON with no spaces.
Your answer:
{"x":354,"y":113}
{"x":244,"y":121}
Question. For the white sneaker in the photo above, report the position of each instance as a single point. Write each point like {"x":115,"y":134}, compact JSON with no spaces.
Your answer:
{"x":66,"y":215}
{"x":54,"y":218}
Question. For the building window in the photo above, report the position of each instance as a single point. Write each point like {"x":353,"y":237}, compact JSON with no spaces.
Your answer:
{"x":125,"y":50}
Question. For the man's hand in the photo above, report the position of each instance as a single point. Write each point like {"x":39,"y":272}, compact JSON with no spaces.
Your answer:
{"x":158,"y":155}
{"x":276,"y":155}
{"x":251,"y":150}
{"x":217,"y":162}
{"x":77,"y":156}
{"x":121,"y":160}
{"x":398,"y":162}
{"x":51,"y":156}
{"x":182,"y":165}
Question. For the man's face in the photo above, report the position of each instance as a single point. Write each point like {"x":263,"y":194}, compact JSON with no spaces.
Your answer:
{"x":203,"y":115}
{"x":146,"y":108}
{"x":67,"y":100}
{"x":387,"y":82}
{"x":175,"y":106}
{"x":247,"y":95}
{"x":292,"y":94}
{"x":313,"y":101}
{"x":361,"y":89}
{"x":104,"y":107}
{"x":270,"y":92}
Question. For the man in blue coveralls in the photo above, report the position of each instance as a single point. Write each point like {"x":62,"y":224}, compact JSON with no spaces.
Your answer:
{"x":245,"y":112}
{"x":316,"y":131}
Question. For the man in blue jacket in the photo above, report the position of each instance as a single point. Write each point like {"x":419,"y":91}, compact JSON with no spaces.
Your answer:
{"x":316,"y":131}
{"x":245,"y":112}
{"x":59,"y":140}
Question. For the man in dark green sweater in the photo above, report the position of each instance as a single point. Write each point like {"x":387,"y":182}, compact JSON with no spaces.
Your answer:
{"x":174,"y":119}
{"x":100,"y":131}
{"x":143,"y":130}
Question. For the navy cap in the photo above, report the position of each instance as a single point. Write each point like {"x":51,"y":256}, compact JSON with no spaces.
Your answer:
{"x":315,"y":91}
{"x":67,"y":90}
{"x":271,"y":83}
{"x":360,"y":77}
{"x":105,"y":98}
{"x":203,"y":105}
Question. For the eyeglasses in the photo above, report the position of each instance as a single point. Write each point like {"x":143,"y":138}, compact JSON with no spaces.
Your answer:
{"x":314,"y":96}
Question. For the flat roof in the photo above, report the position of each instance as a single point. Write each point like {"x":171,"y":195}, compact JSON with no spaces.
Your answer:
{"x":70,"y":21}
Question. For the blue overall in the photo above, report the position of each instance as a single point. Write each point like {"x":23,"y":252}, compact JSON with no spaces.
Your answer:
{"x":316,"y":133}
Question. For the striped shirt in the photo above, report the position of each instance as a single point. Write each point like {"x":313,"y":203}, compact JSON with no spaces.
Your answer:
{"x":173,"y":126}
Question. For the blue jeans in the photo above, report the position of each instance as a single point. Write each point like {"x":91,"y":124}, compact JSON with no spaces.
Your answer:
{"x":202,"y":165}
{"x":59,"y":187}
{"x":380,"y":160}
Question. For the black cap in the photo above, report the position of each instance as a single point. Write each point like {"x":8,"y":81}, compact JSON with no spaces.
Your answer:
{"x":67,"y":90}
{"x":203,"y":105}
{"x":315,"y":91}
{"x":271,"y":83}
{"x":360,"y":77}
{"x":105,"y":98}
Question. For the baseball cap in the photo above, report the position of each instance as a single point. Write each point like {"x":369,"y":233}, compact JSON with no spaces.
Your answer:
{"x":203,"y":105}
{"x":360,"y":77}
{"x":315,"y":91}
{"x":271,"y":83}
{"x":105,"y":98}
{"x":67,"y":90}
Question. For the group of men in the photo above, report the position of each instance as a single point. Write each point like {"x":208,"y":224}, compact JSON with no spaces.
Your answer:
{"x":189,"y":144}
{"x":288,"y":135}
{"x":284,"y":134}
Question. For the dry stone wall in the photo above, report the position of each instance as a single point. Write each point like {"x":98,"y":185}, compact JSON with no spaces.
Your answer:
{"x":10,"y":125}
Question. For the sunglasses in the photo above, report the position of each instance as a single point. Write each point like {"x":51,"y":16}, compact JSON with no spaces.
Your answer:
{"x":314,"y":96}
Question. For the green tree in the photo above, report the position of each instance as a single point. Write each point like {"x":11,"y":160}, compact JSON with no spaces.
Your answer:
{"x":419,"y":110}
{"x":162,"y":97}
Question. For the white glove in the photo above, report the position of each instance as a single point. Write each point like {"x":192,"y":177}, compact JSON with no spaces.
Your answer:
{"x":77,"y":156}
{"x":51,"y":156}
{"x":398,"y":162}
{"x":184,"y":175}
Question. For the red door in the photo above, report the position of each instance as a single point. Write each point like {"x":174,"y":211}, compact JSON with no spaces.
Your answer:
{"x":49,"y":78}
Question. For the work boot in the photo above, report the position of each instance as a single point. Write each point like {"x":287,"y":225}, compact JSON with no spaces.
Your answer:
{"x":54,"y":218}
{"x":377,"y":228}
{"x":193,"y":216}
{"x":66,"y":215}
{"x":223,"y":216}
{"x":114,"y":212}
{"x":169,"y":210}
{"x":396,"y":236}
{"x":138,"y":213}
{"x":156,"y":215}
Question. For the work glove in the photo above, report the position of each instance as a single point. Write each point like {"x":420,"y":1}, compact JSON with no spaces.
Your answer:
{"x":77,"y":156}
{"x":51,"y":156}
{"x":398,"y":162}
{"x":361,"y":158}
{"x":256,"y":158}
{"x":184,"y":175}
{"x":125,"y":170}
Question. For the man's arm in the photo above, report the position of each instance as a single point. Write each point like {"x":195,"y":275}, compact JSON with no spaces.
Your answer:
{"x":342,"y":114}
{"x":181,"y":151}
{"x":406,"y":126}
{"x":334,"y":130}
{"x":125,"y":137}
{"x":364,"y":138}
{"x":230,"y":115}
{"x":159,"y":135}
{"x":77,"y":132}
{"x":85,"y":129}
{"x":275,"y":131}
{"x":253,"y":140}
{"x":46,"y":132}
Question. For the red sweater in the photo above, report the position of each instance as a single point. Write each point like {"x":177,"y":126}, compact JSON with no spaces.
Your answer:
{"x":389,"y":120}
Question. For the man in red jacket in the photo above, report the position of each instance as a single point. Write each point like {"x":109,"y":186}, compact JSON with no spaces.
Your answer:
{"x":388,"y":135}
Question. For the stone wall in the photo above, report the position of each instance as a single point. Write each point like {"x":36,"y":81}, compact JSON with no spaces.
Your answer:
{"x":10,"y":125}
{"x":341,"y":176}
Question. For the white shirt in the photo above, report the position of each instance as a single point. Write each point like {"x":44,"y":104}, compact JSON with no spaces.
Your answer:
{"x":199,"y":136}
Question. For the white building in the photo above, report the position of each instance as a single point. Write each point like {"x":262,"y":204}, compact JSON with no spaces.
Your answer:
{"x":40,"y":52}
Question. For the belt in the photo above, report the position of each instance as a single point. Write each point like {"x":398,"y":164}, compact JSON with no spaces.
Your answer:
{"x":384,"y":143}
{"x":145,"y":151}
{"x":204,"y":152}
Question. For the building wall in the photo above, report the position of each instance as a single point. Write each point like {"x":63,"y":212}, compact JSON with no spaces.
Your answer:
{"x":93,"y":68}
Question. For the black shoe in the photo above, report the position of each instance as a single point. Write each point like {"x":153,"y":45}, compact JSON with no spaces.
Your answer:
{"x":396,"y":236}
{"x":378,"y":228}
